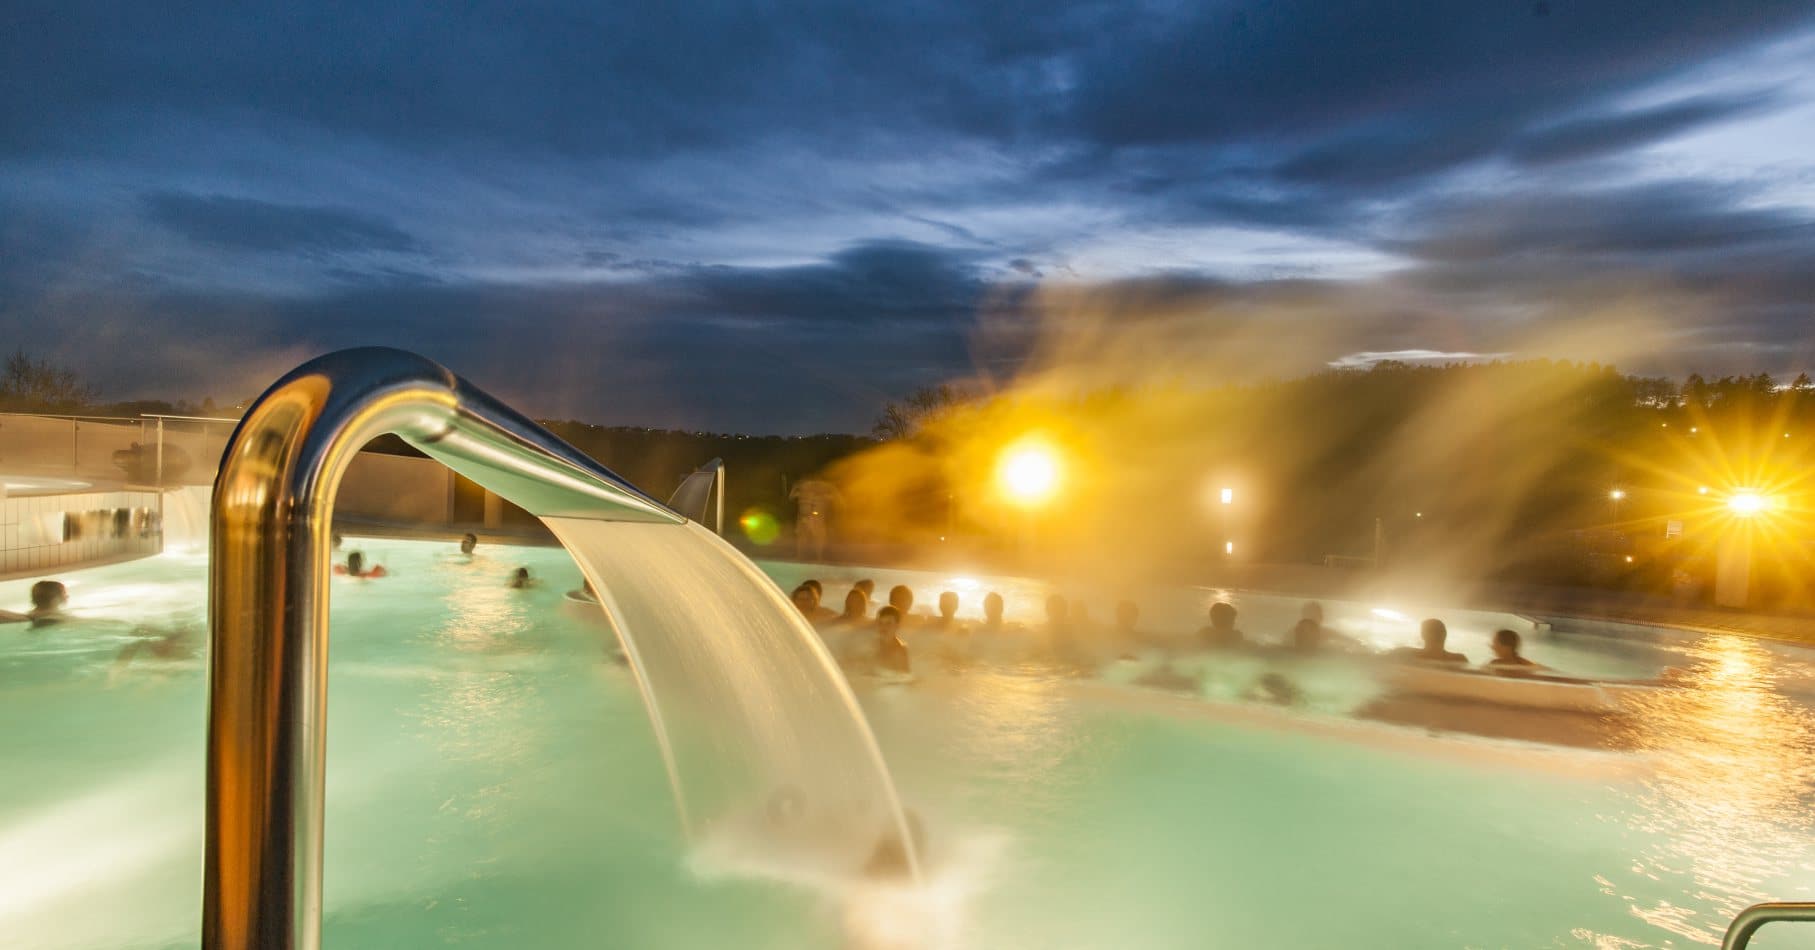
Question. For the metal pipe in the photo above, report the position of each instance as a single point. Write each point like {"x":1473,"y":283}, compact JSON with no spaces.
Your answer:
{"x":268,"y":603}
{"x":1746,"y":922}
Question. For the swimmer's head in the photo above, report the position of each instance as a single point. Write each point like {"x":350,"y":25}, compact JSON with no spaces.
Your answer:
{"x":468,"y":542}
{"x":1506,"y":644}
{"x":804,"y":600}
{"x":1056,"y":608}
{"x":855,"y":604}
{"x":49,"y":595}
{"x":1222,"y":616}
{"x":1312,"y":611}
{"x":1433,"y":633}
{"x":1127,"y":614}
{"x":948,"y":604}
{"x":356,"y":563}
{"x":818,"y":589}
{"x":901,"y":597}
{"x":1306,"y":635}
{"x":992,"y":607}
{"x":868,"y":587}
{"x":520,"y":577}
{"x":888,"y":621}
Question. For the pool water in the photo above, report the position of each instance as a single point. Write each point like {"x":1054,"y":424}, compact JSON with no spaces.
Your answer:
{"x":493,"y":782}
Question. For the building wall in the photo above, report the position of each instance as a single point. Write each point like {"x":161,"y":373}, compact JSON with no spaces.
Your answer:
{"x":397,"y":489}
{"x":84,"y":449}
{"x":41,"y":533}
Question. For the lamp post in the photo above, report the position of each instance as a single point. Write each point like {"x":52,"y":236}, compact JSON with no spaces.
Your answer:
{"x":1733,"y":559}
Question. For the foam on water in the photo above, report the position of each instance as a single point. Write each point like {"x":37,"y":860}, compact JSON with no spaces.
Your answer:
{"x":763,"y":740}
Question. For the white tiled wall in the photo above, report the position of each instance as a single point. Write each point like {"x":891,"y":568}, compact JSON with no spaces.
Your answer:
{"x":24,"y":549}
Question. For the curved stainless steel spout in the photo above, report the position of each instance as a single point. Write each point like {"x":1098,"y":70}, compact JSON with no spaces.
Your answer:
{"x":268,"y":602}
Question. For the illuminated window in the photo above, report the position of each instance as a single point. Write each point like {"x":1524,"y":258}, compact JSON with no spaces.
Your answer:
{"x":1228,"y":547}
{"x":1228,"y":496}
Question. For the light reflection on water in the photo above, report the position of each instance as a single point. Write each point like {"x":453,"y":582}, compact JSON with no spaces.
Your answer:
{"x":489,"y":698}
{"x":1730,"y":799}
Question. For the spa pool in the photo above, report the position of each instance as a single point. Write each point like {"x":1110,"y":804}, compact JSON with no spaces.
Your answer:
{"x":493,"y":782}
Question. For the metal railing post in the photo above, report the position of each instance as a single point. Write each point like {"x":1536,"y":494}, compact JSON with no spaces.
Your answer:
{"x":268,"y":603}
{"x":1746,"y":922}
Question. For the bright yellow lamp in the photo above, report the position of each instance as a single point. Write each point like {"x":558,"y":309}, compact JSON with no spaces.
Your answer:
{"x":1748,"y":503}
{"x":1028,"y":473}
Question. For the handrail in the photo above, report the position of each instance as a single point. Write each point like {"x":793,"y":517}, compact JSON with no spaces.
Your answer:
{"x":166,"y":415}
{"x":268,"y":603}
{"x":1746,"y":922}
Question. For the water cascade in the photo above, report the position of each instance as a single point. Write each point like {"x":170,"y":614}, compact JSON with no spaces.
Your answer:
{"x":766,"y":748}
{"x":770,"y":758}
{"x":186,"y":519}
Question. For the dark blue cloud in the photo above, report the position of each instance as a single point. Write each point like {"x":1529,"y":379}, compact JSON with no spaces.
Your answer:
{"x":1580,"y":138}
{"x":246,"y":224}
{"x":773,"y":217}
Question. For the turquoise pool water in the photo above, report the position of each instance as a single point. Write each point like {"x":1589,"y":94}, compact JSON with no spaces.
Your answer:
{"x":493,"y":783}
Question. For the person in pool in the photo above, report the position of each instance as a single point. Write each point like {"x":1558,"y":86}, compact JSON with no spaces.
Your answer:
{"x":948,"y":612}
{"x":856,"y":608}
{"x":356,"y":567}
{"x":1222,"y":632}
{"x":468,"y":542}
{"x":1307,"y":637}
{"x":815,"y":613}
{"x":1507,"y":658}
{"x":520,"y":579}
{"x":862,"y":605}
{"x":869,"y":589}
{"x":992,"y":612}
{"x":1434,"y":634}
{"x":803,"y":600}
{"x":891,"y":652}
{"x":1128,"y":635}
{"x":48,"y":598}
{"x":179,"y":643}
{"x":901,"y":597}
{"x":821,"y":613}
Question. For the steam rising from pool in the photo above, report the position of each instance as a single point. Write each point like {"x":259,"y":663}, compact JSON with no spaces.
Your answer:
{"x":186,"y":519}
{"x":765,"y":746}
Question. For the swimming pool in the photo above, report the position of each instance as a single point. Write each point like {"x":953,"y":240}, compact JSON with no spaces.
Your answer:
{"x":493,"y":781}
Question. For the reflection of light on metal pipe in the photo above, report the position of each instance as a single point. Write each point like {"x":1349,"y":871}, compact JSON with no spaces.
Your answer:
{"x":1617,"y":494}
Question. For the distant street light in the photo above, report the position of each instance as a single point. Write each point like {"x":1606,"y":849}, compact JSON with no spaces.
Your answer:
{"x":1748,"y":503}
{"x":1028,"y":473}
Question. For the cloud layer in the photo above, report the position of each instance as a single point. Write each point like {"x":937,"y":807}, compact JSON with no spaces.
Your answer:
{"x":773,"y":219}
